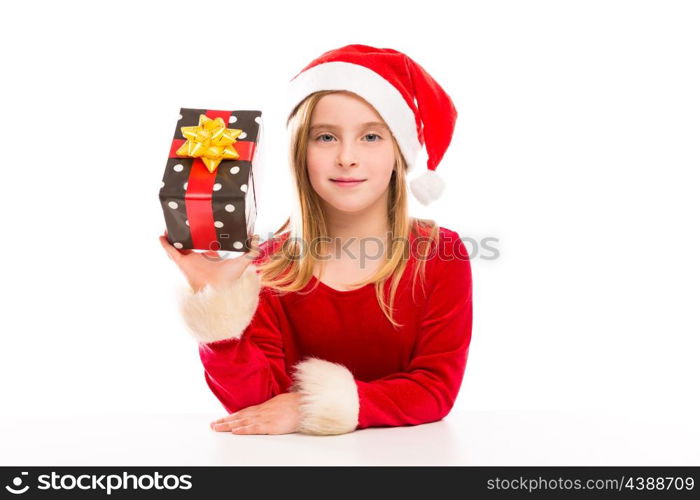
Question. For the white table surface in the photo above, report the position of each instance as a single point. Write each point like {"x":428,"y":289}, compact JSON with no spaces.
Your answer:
{"x":467,"y":438}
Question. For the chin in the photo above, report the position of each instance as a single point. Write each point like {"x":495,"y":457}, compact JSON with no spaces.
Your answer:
{"x":349,"y":206}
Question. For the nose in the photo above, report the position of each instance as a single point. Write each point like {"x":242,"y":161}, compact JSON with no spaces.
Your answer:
{"x":346,"y":155}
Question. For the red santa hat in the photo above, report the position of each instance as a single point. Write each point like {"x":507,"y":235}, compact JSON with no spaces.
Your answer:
{"x":414,"y":106}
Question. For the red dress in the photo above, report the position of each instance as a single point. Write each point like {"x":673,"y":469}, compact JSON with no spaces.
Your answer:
{"x":337,"y":348}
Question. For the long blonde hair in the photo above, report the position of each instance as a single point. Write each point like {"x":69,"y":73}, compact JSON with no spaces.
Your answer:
{"x":290,"y":268}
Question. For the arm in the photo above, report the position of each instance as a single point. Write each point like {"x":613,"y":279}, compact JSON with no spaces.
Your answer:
{"x":240,"y":342}
{"x":333,"y":402}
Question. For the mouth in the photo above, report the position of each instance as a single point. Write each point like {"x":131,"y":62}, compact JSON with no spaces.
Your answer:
{"x":342,"y":181}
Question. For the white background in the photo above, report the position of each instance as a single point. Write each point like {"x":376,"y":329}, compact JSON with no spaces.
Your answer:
{"x":576,"y":146}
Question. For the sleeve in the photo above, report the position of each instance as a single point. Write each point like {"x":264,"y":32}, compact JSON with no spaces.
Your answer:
{"x":240,"y":340}
{"x":333,"y":402}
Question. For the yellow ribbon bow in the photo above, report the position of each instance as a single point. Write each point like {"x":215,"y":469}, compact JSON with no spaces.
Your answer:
{"x":211,"y":141}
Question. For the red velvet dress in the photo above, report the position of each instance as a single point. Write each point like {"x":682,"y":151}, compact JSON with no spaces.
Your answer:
{"x":337,"y":347}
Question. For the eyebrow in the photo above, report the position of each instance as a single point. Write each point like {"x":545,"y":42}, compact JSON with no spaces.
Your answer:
{"x":335,"y":127}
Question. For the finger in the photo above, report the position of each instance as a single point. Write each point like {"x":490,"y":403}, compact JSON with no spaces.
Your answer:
{"x":228,"y":421}
{"x":234,"y":415}
{"x":169,"y":249}
{"x":211,"y":254}
{"x":174,"y":252}
{"x":255,"y":250}
{"x":230,"y":424}
{"x":227,"y":426}
{"x":249,"y":429}
{"x":219,"y":426}
{"x":254,"y":241}
{"x":247,"y":412}
{"x":223,"y":427}
{"x":164,"y":239}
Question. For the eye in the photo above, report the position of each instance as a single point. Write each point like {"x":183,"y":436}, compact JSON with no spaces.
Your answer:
{"x":376,"y":137}
{"x":323,"y":135}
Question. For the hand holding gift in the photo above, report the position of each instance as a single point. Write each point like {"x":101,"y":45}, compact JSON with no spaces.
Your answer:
{"x":208,"y":268}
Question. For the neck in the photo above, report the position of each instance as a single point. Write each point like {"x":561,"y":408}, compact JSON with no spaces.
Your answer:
{"x":372,"y":222}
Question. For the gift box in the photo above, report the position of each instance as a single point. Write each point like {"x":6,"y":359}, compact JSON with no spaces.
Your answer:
{"x":207,"y":193}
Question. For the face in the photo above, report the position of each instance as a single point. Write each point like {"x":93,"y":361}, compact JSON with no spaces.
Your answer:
{"x":348,"y":140}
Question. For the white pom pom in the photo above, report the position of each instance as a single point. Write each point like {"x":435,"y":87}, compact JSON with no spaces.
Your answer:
{"x":427,"y":187}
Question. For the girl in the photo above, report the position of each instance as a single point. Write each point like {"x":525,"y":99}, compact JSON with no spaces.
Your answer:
{"x":327,"y":332}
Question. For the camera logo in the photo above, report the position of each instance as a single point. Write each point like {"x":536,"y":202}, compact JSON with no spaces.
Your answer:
{"x":17,"y":483}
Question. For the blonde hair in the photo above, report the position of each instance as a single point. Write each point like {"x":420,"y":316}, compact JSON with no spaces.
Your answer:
{"x":289,"y":268}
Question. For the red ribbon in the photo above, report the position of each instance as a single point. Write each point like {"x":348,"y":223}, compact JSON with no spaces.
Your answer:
{"x":200,"y":186}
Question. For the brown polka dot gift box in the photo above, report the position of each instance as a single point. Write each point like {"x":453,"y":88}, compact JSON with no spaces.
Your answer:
{"x":207,"y":193}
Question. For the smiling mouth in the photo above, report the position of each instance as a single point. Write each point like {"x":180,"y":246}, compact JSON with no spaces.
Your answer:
{"x":348,"y":181}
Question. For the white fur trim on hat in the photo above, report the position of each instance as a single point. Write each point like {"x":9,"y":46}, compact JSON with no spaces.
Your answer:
{"x":330,"y":402}
{"x":213,"y":314}
{"x":369,"y":85}
{"x":427,"y":187}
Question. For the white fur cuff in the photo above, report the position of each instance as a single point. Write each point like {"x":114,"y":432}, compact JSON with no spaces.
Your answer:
{"x":330,"y":403}
{"x":213,"y":314}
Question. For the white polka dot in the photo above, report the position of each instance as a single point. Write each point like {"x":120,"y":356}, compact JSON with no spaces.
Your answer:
{"x":217,"y":186}
{"x":180,"y":117}
{"x":235,"y":170}
{"x":238,"y":245}
{"x":257,"y":119}
{"x":178,"y":167}
{"x":172,"y":205}
{"x":242,"y":136}
{"x":230,"y":207}
{"x":244,"y":188}
{"x":184,"y":186}
{"x":218,"y":223}
{"x":162,"y":184}
{"x":187,"y":223}
{"x":232,"y":119}
{"x":177,"y":244}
